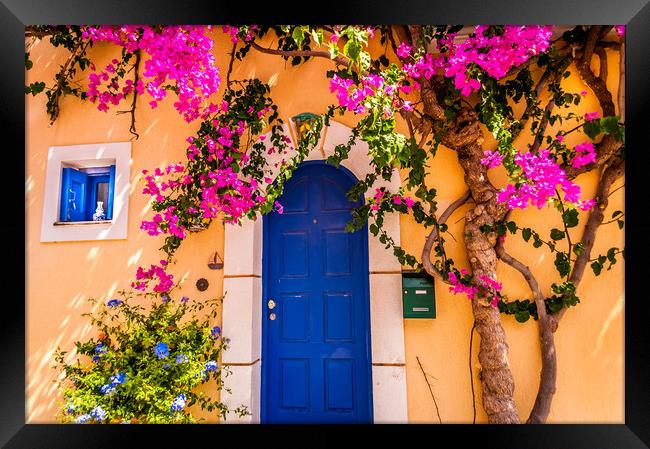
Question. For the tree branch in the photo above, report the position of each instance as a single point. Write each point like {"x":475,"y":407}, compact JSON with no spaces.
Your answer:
{"x":608,"y":146}
{"x":621,"y":83}
{"x":602,"y":57}
{"x":590,"y":45}
{"x":596,"y":217}
{"x":548,"y":375}
{"x":430,"y":390}
{"x":308,"y":53}
{"x":136,"y":67}
{"x":433,"y":236}
{"x":543,"y":81}
{"x":232,"y":60}
{"x":33,"y":31}
{"x":62,"y":76}
{"x":539,"y":134}
{"x":471,"y":372}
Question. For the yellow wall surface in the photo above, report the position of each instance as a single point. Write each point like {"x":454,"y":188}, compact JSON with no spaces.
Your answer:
{"x":61,"y":276}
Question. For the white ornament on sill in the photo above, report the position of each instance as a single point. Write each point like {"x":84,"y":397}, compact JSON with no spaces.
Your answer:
{"x":99,"y":212}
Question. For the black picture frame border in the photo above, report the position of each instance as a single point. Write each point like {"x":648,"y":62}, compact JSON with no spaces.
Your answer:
{"x":15,"y":14}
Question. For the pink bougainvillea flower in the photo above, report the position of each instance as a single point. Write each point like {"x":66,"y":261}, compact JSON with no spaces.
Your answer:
{"x":589,"y":116}
{"x":620,"y":30}
{"x":165,"y":280}
{"x":559,"y":138}
{"x":586,"y":204}
{"x":404,"y":50}
{"x":583,"y":93}
{"x":180,"y":56}
{"x":407,"y":105}
{"x":458,"y":287}
{"x":492,"y":159}
{"x":543,"y":177}
{"x":409,"y":202}
{"x":495,"y":54}
{"x":585,"y":155}
{"x":491,"y":283}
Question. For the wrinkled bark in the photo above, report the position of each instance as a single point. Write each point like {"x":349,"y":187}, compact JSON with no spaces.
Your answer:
{"x":496,"y":378}
{"x":464,"y":135}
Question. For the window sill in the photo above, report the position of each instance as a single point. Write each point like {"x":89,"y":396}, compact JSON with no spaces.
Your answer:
{"x":72,"y":223}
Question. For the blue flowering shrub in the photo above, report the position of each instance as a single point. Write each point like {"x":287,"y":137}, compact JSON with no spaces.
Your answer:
{"x":145,"y":364}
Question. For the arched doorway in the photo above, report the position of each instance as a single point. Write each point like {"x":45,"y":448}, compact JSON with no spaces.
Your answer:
{"x":316,"y":331}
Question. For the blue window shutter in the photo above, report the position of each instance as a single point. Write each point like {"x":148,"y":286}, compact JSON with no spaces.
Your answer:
{"x":91,"y":195}
{"x":111,"y":193}
{"x":73,"y":195}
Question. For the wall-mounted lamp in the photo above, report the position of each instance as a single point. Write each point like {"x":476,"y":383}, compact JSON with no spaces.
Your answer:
{"x":216,"y":262}
{"x":304,"y":123}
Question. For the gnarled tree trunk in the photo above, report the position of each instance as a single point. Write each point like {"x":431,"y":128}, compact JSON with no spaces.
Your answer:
{"x":496,"y":377}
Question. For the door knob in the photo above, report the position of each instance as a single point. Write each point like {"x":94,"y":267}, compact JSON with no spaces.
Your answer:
{"x":271,"y":304}
{"x":272,"y":316}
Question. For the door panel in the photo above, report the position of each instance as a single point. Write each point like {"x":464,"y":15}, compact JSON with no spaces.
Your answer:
{"x":316,"y":352}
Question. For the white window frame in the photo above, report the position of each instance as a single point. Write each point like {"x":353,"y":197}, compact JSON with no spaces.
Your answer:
{"x":85,"y":156}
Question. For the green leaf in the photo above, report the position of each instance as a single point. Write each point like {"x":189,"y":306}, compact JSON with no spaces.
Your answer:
{"x":526,"y":233}
{"x":578,"y":248}
{"x":556,"y":234}
{"x":317,"y":35}
{"x":352,"y":49}
{"x":570,"y":218}
{"x":334,"y":50}
{"x":554,"y":306}
{"x":522,"y":316}
{"x":485,"y":228}
{"x":562,"y":264}
{"x":35,"y":88}
{"x":611,"y":255}
{"x":592,"y":128}
{"x":298,"y":36}
{"x":609,"y":124}
{"x":512,"y":227}
{"x":617,"y":213}
{"x":620,"y":223}
{"x":597,"y":267}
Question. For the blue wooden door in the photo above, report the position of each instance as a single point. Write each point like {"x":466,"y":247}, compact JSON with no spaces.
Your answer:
{"x":316,"y":359}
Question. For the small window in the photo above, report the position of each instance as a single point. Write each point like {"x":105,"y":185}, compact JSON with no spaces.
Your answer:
{"x":78,"y":177}
{"x":87,"y":194}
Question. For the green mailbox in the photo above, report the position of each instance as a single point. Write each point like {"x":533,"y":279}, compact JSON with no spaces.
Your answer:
{"x":418,"y":296}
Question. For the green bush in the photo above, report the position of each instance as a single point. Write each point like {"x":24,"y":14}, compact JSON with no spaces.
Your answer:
{"x":145,"y":364}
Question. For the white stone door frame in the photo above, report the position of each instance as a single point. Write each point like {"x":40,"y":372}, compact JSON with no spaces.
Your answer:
{"x":242,"y":306}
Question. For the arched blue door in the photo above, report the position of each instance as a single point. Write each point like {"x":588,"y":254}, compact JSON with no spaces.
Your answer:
{"x":316,"y":352}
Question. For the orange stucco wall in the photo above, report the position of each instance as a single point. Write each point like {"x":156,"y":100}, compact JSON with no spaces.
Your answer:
{"x":60,"y":276}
